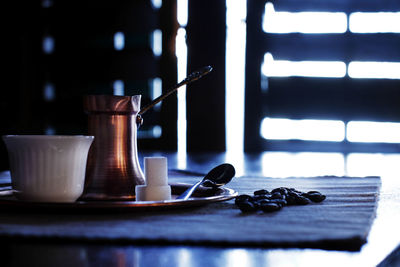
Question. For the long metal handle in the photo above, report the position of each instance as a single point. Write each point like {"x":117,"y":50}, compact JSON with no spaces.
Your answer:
{"x":191,"y":78}
{"x":185,"y":195}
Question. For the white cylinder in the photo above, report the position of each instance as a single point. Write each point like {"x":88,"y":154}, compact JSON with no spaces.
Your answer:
{"x":152,"y":193}
{"x":156,"y":171}
{"x":156,"y":176}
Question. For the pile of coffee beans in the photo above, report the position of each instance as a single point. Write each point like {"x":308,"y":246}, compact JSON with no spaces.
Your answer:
{"x":267,"y":201}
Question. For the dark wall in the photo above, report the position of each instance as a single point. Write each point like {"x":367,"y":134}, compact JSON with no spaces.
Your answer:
{"x":206,"y":33}
{"x":82,"y":61}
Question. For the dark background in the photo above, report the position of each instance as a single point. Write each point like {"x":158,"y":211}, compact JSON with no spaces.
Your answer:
{"x":84,"y":61}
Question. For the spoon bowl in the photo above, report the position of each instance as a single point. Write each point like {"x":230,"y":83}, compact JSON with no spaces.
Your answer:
{"x":218,"y":176}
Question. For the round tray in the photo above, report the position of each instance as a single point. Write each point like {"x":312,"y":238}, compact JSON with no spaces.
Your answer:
{"x":202,"y":196}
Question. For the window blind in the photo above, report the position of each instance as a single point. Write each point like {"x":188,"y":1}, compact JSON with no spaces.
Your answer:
{"x":321,"y":61}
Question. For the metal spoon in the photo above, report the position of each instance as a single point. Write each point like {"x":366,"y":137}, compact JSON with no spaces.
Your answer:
{"x":219,"y":176}
{"x":194,"y":76}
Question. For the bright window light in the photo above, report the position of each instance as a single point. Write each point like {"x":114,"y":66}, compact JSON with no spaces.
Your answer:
{"x":237,"y":257}
{"x":119,"y":41}
{"x":365,"y":164}
{"x":303,"y":22}
{"x":151,"y":132}
{"x":118,"y":87}
{"x":49,"y":92}
{"x":372,"y":22}
{"x":183,"y":257}
{"x":285,"y":164}
{"x":286,"y":68}
{"x":156,"y":91}
{"x":157,"y":131}
{"x":368,"y":164}
{"x":311,"y":130}
{"x":156,"y":3}
{"x":369,"y":131}
{"x":182,"y":12}
{"x":157,"y":42}
{"x":181,"y":54}
{"x":235,"y":69}
{"x":377,"y":70}
{"x":48,"y":44}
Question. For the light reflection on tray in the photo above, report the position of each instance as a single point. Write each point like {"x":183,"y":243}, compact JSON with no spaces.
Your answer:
{"x":202,"y":196}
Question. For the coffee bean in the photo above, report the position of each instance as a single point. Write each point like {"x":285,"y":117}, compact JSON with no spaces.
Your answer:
{"x":291,"y":197}
{"x":246,"y":206}
{"x":281,"y":190}
{"x":315,"y":196}
{"x":276,"y":199}
{"x":276,"y":195}
{"x":280,"y":202}
{"x":290,"y":200}
{"x":293,"y":194}
{"x":294,"y":191}
{"x":261,"y":202}
{"x":270,"y":207}
{"x":261,"y":192}
{"x":243,"y":198}
{"x":300,"y":200}
{"x":260,"y":197}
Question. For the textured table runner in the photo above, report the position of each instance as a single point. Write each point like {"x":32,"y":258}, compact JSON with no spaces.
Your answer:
{"x":341,"y":222}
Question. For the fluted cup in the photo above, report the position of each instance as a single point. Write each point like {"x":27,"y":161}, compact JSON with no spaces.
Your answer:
{"x":48,"y":168}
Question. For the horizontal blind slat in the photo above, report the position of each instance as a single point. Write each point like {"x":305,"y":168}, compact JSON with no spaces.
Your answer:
{"x":345,"y":99}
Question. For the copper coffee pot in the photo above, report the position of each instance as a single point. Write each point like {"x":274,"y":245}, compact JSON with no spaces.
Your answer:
{"x":113,"y":168}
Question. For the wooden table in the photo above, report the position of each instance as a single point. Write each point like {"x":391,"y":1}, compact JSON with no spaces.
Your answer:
{"x":384,"y":236}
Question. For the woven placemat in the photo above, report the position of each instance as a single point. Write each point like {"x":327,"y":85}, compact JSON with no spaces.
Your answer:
{"x":341,"y":222}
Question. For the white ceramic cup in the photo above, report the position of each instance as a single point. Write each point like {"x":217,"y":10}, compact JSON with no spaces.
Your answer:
{"x":48,"y":168}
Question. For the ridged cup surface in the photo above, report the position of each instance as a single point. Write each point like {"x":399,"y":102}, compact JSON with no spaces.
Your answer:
{"x":48,"y":168}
